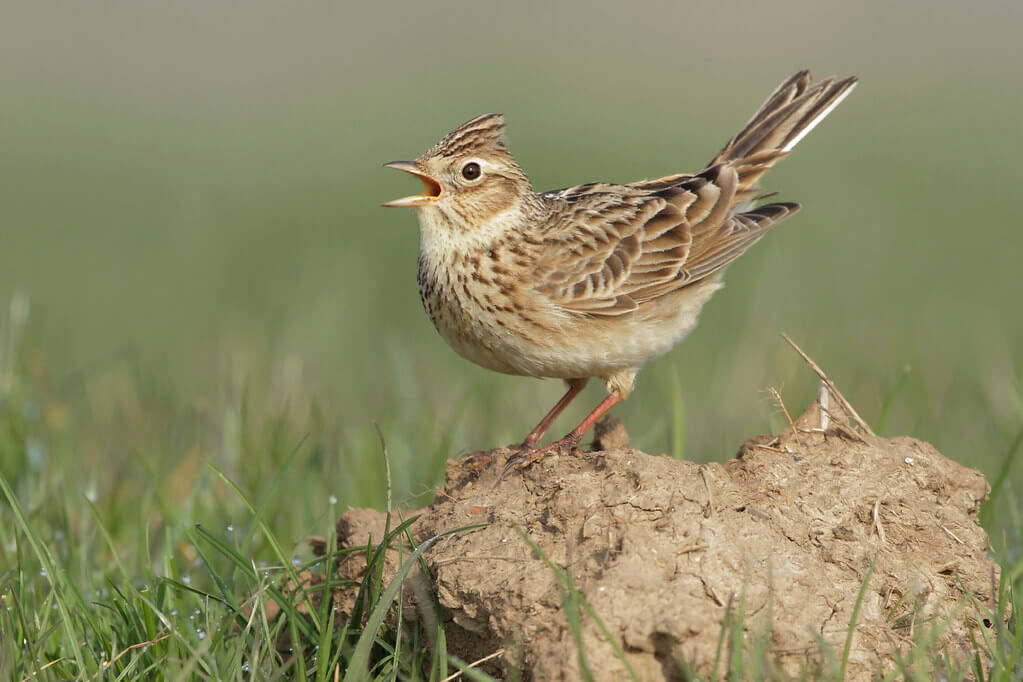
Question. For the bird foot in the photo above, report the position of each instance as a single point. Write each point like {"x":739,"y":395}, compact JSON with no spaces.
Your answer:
{"x":524,"y":456}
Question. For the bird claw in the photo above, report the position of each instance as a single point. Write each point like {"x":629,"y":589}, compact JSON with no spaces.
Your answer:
{"x":524,"y":457}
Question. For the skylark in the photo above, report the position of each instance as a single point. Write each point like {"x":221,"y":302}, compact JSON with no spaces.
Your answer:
{"x":594,"y":280}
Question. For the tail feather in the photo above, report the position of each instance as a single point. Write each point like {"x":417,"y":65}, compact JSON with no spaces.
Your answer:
{"x":740,"y":232}
{"x":789,"y":113}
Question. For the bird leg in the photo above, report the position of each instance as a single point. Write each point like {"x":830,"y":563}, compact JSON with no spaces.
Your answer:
{"x":569,"y":442}
{"x":575,"y":386}
{"x":519,"y":451}
{"x":572,"y":439}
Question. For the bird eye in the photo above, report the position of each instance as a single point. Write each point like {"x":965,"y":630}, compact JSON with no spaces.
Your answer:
{"x":471,"y":170}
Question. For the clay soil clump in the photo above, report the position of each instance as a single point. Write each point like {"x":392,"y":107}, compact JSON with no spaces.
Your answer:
{"x":665,"y":551}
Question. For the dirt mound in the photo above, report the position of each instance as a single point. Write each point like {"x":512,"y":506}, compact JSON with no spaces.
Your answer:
{"x":663,"y":550}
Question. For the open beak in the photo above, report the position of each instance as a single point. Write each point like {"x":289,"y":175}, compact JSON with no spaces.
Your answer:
{"x":429,"y":195}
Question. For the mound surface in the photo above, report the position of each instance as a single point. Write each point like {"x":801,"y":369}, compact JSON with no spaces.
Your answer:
{"x":663,"y":550}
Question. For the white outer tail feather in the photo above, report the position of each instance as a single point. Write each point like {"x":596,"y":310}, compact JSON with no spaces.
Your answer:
{"x":820,"y":117}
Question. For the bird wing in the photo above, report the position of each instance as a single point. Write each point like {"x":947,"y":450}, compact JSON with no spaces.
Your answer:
{"x":608,"y":249}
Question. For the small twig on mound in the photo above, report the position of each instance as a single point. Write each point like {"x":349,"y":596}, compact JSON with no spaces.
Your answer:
{"x":822,"y":400}
{"x":831,"y":387}
{"x":877,"y":520}
{"x":953,"y":535}
{"x":709,"y":508}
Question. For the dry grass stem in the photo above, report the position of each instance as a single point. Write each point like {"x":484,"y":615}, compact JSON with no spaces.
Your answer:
{"x":474,"y":664}
{"x":831,"y":387}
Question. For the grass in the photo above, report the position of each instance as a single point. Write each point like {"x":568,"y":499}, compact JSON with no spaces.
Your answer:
{"x":181,"y":580}
{"x":208,"y":621}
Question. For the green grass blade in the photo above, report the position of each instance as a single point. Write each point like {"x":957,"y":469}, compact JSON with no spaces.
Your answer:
{"x":736,"y":660}
{"x":852,"y":621}
{"x":272,"y":541}
{"x":722,"y":634}
{"x":225,"y":592}
{"x":259,"y":512}
{"x":286,"y":604}
{"x":440,"y":656}
{"x":1001,"y":478}
{"x":922,"y":647}
{"x":570,"y":604}
{"x":324,"y":659}
{"x":467,"y":671}
{"x":565,"y":582}
{"x":358,"y":665}
{"x":58,"y":578}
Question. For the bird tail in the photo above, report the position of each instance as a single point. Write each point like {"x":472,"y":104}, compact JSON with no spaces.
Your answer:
{"x":792,"y":111}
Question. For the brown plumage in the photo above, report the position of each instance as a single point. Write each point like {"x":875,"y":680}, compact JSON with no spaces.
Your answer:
{"x":598,"y":279}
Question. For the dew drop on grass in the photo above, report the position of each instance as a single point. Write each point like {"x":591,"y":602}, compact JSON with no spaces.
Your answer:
{"x":230,"y":528}
{"x":42,"y":572}
{"x":333,"y":500}
{"x":296,"y":561}
{"x":201,"y":634}
{"x":187,"y":579}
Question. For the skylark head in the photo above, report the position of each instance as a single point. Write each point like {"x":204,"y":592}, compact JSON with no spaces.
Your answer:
{"x":469,"y":179}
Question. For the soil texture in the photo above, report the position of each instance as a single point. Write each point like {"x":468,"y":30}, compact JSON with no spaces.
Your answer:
{"x":665,"y":551}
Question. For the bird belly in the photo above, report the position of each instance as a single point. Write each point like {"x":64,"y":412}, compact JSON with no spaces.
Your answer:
{"x":599,"y":347}
{"x":493,"y":339}
{"x":536,"y":338}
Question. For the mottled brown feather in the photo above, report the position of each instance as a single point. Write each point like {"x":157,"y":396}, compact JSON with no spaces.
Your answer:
{"x":598,"y":279}
{"x":609,"y":249}
{"x":479,"y":135}
{"x":786,"y":113}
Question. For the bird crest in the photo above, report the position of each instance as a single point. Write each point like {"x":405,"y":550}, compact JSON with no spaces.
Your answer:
{"x":481,"y":134}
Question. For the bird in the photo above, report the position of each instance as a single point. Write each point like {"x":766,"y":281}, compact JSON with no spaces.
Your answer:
{"x":596,"y":280}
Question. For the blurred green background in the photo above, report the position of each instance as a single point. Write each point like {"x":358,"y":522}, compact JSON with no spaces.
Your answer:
{"x":189,"y":217}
